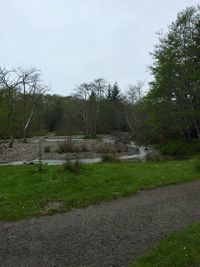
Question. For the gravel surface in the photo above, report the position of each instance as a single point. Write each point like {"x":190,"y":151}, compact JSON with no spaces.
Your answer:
{"x":110,"y":234}
{"x":83,"y":149}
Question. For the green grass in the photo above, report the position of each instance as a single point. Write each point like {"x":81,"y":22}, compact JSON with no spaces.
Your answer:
{"x":181,"y":249}
{"x":24,"y":191}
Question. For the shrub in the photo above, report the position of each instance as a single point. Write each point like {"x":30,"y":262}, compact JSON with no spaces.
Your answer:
{"x":180,"y":148}
{"x":153,"y":158}
{"x":109,"y":158}
{"x":122,"y":137}
{"x":121,"y":147}
{"x":47,"y":149}
{"x":66,"y":146}
{"x":40,"y":166}
{"x":84,"y":148}
{"x":75,"y":167}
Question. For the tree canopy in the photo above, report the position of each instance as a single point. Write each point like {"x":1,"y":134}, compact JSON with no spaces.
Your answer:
{"x":174,"y":98}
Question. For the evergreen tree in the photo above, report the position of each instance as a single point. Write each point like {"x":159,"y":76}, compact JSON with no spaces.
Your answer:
{"x":115,"y":93}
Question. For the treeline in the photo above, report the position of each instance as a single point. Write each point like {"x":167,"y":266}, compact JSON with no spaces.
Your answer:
{"x":27,"y":109}
{"x":170,"y":109}
{"x":96,"y":107}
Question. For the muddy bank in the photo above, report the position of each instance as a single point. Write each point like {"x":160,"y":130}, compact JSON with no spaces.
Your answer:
{"x":54,"y":150}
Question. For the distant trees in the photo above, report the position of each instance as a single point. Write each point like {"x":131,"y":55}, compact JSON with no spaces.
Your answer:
{"x":96,"y":107}
{"x":113,"y":93}
{"x":88,"y":96}
{"x":98,"y":100}
{"x":135,"y":92}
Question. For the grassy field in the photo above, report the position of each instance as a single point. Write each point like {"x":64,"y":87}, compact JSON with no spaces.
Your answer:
{"x":181,"y":249}
{"x":24,"y":191}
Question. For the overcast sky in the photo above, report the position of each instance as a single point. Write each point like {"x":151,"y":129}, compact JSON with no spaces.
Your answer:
{"x":75,"y":41}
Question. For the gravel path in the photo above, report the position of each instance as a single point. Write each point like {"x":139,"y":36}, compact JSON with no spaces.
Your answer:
{"x":110,"y":234}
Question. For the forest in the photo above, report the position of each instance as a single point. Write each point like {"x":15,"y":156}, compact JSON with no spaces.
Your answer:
{"x":169,"y":110}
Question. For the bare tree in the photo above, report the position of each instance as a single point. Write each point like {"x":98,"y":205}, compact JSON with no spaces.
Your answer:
{"x":27,"y":83}
{"x":83,"y":92}
{"x":10,"y":80}
{"x":99,"y":86}
{"x":133,"y":110}
{"x":135,"y":92}
{"x":32,"y":90}
{"x":91,"y":94}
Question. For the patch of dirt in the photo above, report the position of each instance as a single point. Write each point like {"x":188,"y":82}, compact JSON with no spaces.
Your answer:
{"x":53,"y":206}
{"x":81,"y":148}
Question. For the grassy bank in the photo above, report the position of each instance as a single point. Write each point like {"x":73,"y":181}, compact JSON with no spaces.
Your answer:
{"x":24,"y":191}
{"x":181,"y":249}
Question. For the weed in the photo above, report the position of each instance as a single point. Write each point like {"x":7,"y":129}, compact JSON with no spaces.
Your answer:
{"x":66,"y":146}
{"x":75,"y":167}
{"x":197,"y":164}
{"x":109,"y":158}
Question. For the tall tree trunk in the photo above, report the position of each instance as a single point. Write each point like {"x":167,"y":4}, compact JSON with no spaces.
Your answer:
{"x":28,"y":123}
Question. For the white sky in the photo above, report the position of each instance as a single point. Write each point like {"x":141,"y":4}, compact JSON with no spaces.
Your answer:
{"x":75,"y":41}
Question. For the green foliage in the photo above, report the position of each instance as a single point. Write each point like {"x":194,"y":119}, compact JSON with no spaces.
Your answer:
{"x":172,"y":105}
{"x":88,"y":112}
{"x":23,"y":190}
{"x":53,"y":111}
{"x":115,"y":93}
{"x":181,"y":249}
{"x":180,"y":147}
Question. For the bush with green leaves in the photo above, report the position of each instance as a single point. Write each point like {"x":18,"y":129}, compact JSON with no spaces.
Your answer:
{"x":180,"y":147}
